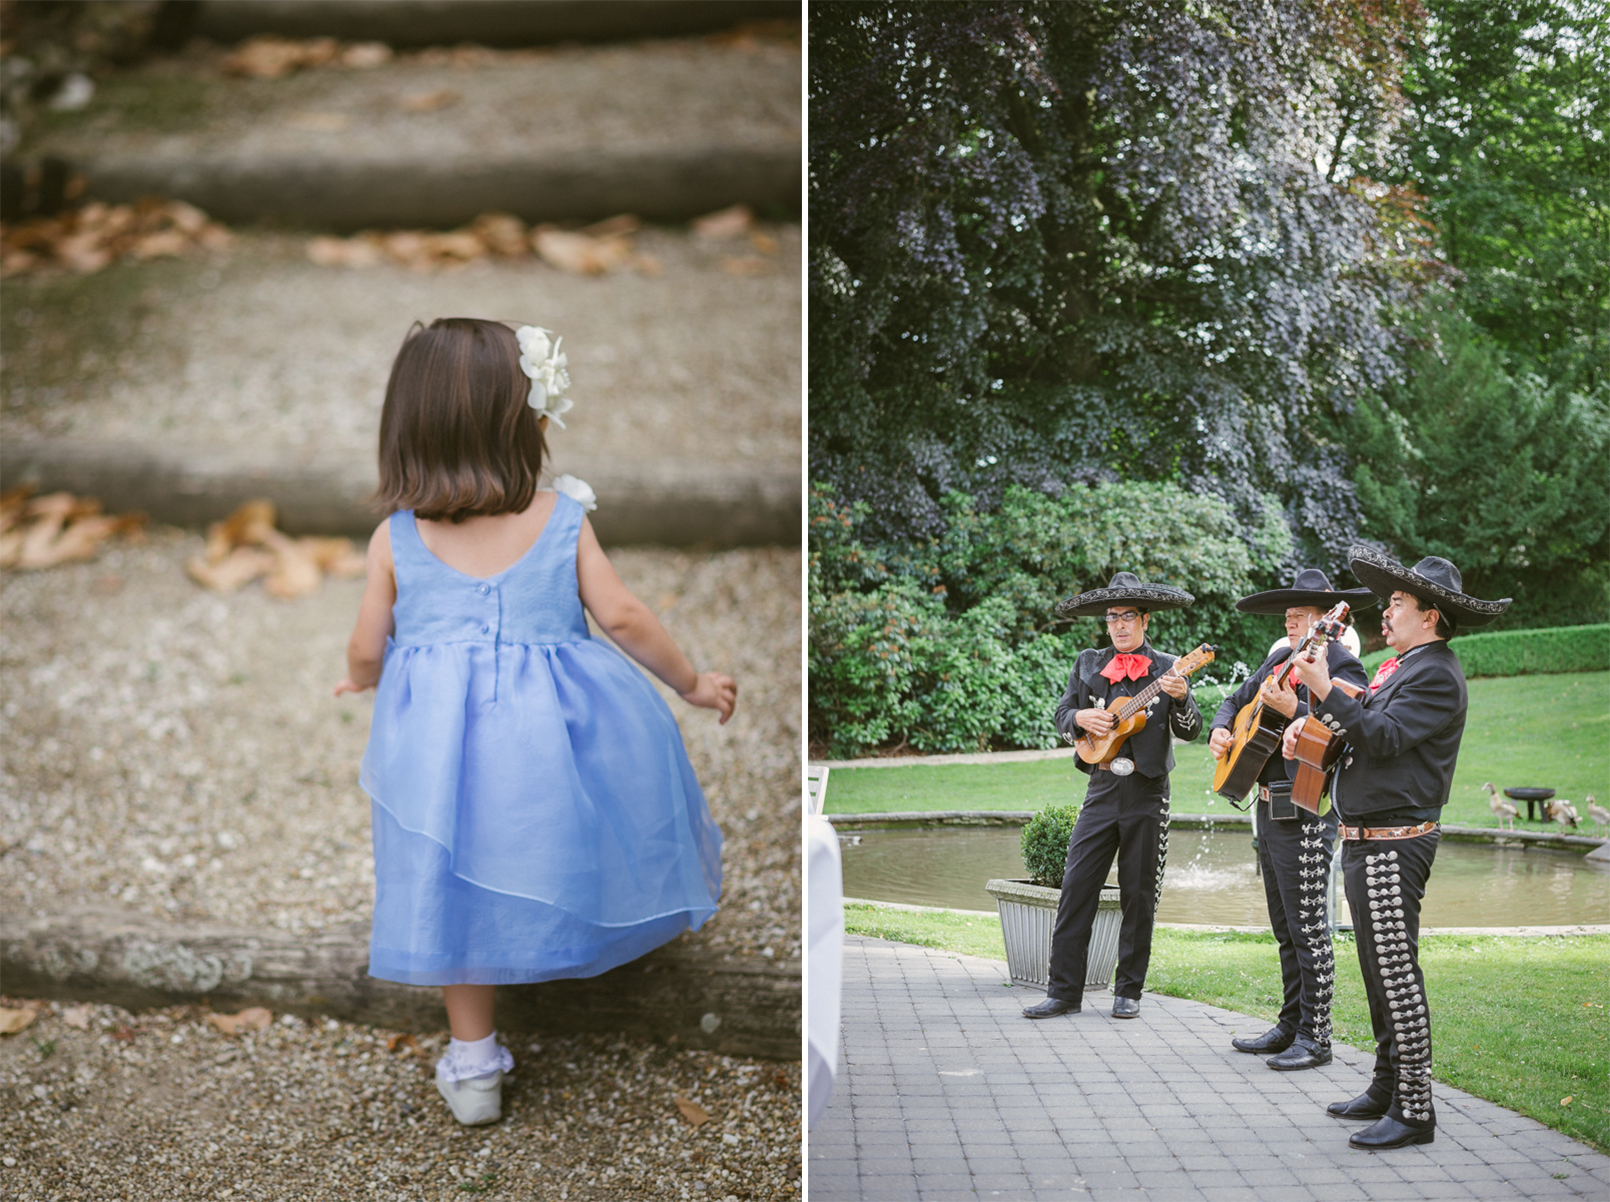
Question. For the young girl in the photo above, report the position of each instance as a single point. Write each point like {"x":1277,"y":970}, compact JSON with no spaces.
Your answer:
{"x":535,"y":814}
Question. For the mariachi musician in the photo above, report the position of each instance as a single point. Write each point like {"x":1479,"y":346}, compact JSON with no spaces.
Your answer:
{"x":1401,"y":741}
{"x":1294,"y":844}
{"x":1125,"y":810}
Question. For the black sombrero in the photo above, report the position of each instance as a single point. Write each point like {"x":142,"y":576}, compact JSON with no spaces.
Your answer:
{"x":1310,"y":588}
{"x":1126,"y":586}
{"x":1434,"y":580}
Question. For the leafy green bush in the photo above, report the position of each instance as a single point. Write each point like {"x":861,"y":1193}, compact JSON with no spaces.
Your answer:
{"x":1525,"y":652}
{"x":951,"y":645}
{"x":1045,"y":843}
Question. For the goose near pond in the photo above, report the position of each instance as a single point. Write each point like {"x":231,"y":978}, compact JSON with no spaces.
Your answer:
{"x":1561,"y":811}
{"x":1495,"y":803}
{"x":1596,"y":812}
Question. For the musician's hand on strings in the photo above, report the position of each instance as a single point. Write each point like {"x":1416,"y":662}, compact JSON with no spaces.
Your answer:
{"x":1288,"y":744}
{"x":1281,"y":698}
{"x":1315,"y":675}
{"x":1220,"y":741}
{"x":1095,"y":721}
{"x":1175,"y":686}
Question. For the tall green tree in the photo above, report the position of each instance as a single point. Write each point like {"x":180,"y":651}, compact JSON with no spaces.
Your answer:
{"x":1059,"y":243}
{"x":1509,"y":140}
{"x":1505,"y":475}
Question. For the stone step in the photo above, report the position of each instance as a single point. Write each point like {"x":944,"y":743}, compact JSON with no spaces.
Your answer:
{"x":661,"y":503}
{"x":183,"y":387}
{"x":486,"y":22}
{"x":692,"y":998}
{"x":666,"y":130}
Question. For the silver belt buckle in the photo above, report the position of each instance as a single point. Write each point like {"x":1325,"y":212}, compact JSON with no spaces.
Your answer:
{"x":1122,"y":766}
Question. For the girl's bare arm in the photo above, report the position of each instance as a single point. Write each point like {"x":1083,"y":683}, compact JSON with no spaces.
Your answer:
{"x":366,"y":650}
{"x":635,"y":629}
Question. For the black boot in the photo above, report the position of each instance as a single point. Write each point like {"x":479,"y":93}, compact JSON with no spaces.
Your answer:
{"x":1368,"y":1105}
{"x":1303,"y":1053}
{"x":1277,"y":1039}
{"x":1387,"y":1132}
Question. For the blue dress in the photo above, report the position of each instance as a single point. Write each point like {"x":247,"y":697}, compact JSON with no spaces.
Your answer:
{"x":535,"y":814}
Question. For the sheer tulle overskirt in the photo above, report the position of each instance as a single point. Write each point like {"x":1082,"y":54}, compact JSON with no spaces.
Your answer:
{"x":536,"y":815}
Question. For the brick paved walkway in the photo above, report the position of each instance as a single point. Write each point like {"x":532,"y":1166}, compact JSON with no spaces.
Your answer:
{"x":946,"y":1092}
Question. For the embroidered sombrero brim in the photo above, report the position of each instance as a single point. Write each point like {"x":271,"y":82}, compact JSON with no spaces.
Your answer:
{"x":1278,"y":601}
{"x":1385,"y":576}
{"x":1096,"y":602}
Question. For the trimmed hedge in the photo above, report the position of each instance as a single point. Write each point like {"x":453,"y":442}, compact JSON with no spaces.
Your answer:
{"x":1044,"y":843}
{"x":1525,"y":652}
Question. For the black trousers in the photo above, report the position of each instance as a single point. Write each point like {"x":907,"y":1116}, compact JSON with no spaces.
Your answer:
{"x":1126,"y":816}
{"x":1295,"y":856}
{"x":1386,"y":881}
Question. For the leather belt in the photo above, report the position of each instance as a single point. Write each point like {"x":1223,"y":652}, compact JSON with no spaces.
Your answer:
{"x":1356,"y":833}
{"x":1264,"y":792}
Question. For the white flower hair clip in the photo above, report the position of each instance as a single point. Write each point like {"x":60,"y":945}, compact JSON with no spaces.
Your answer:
{"x":542,"y":361}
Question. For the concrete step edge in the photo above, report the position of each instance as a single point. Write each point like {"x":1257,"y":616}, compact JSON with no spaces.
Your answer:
{"x":339,"y":193}
{"x":488,"y":22}
{"x":662,"y":503}
{"x":748,"y":1006}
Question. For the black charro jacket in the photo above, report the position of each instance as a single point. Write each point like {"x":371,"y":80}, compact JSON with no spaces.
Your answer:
{"x":1402,"y":740}
{"x":1166,"y":719}
{"x":1344,"y":665}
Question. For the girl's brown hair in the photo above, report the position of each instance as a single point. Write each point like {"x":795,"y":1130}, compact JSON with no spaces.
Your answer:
{"x":457,"y":438}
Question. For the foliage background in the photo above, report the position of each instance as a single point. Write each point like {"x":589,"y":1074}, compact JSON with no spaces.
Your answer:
{"x":1203,"y":294}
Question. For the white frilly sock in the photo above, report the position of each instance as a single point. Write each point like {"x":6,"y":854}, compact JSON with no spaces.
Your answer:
{"x":474,"y":1058}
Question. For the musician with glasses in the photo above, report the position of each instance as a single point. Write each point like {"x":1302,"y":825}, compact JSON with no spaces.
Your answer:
{"x":1294,"y":845}
{"x":1125,"y":810}
{"x":1402,"y":738}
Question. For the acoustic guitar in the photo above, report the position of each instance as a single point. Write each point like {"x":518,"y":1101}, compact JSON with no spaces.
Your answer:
{"x":1259,"y":726}
{"x":1318,"y":747}
{"x":1130,"y":712}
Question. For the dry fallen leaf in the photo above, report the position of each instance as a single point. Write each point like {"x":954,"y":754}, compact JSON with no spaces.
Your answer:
{"x":428,"y":102}
{"x":49,"y":530}
{"x":364,"y":55}
{"x":579,"y":253}
{"x":295,"y":572}
{"x":268,"y":56}
{"x":764,"y":243}
{"x":725,"y":223}
{"x":405,"y":1041}
{"x":1567,"y":1100}
{"x":87,"y":239}
{"x":695,"y":1114}
{"x":12,"y":1021}
{"x":253,"y":1018}
{"x":78,"y":1016}
{"x":236,"y":570}
{"x":245,"y":545}
{"x":503,"y":234}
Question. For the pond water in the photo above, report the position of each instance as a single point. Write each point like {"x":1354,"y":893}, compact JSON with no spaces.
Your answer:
{"x":1211,"y":877}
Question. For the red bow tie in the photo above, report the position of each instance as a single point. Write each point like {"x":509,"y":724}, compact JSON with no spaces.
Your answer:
{"x":1383,"y":673}
{"x":1130,"y":667}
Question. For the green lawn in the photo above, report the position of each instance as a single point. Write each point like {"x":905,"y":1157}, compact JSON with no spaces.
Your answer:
{"x":1521,"y":730}
{"x":1519,"y":1021}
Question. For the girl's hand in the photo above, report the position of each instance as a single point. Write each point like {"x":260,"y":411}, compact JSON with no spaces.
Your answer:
{"x":347,"y":686}
{"x":713,"y":691}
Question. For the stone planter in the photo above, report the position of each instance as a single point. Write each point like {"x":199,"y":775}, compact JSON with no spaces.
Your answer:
{"x":1028,"y":912}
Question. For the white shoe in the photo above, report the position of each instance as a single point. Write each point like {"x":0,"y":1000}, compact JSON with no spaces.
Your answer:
{"x":476,"y":1101}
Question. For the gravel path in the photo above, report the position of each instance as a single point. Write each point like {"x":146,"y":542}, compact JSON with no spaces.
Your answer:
{"x":180,"y":752}
{"x":160,"y":1105}
{"x":694,"y":363}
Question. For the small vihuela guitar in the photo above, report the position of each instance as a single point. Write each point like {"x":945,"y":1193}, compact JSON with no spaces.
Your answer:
{"x":1258,"y":726}
{"x":1318,"y":747}
{"x":1130,"y":712}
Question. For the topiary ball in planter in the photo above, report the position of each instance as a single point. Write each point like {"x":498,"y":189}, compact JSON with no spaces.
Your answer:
{"x":1045,"y":844}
